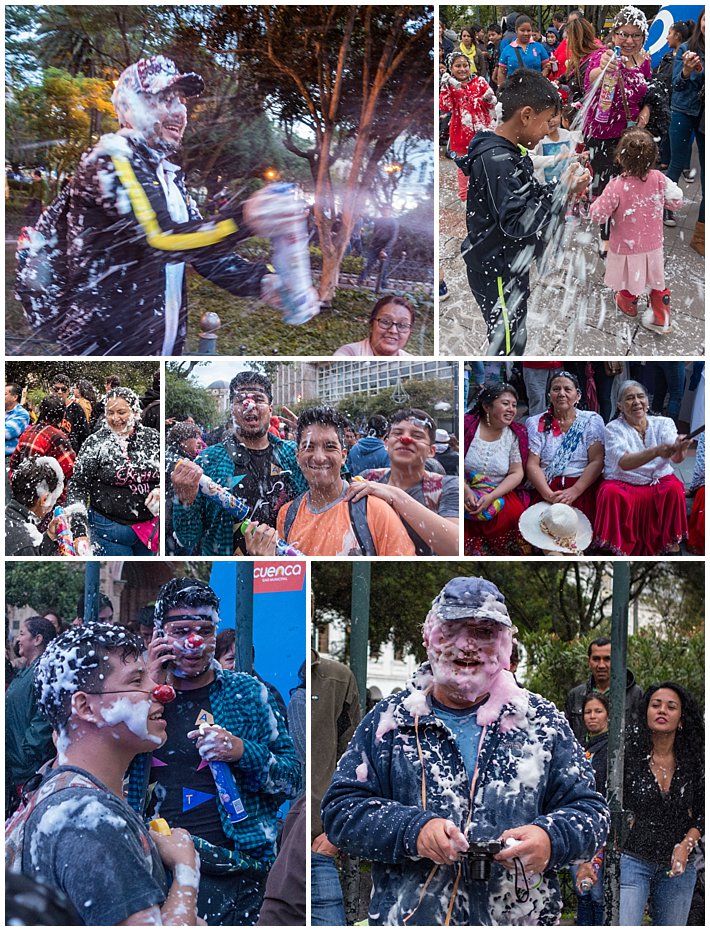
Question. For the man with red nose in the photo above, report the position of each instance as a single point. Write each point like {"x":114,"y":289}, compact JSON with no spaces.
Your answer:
{"x":466,"y":791}
{"x":218,"y":717}
{"x":80,"y":836}
{"x":250,"y":462}
{"x":132,"y":227}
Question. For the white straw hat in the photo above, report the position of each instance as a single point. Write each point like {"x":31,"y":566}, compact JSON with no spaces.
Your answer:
{"x":556,"y":527}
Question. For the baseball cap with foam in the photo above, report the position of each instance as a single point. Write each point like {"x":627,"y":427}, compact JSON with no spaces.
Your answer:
{"x":156,"y":74}
{"x":471,"y":598}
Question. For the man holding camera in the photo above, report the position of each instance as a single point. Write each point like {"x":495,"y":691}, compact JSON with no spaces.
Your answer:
{"x":466,"y":791}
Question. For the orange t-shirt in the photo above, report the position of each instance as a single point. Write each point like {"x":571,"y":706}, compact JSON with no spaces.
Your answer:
{"x":330,"y":532}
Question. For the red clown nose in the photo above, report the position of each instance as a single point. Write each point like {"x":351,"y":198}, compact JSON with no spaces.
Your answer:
{"x":163,"y":694}
{"x":194,"y":641}
{"x":406,"y":440}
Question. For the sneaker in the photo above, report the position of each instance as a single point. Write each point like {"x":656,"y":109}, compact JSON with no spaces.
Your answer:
{"x":443,"y":291}
{"x":669,"y":218}
{"x":690,"y":174}
{"x":627,"y":303}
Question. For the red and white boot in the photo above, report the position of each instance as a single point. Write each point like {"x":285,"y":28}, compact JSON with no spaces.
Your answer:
{"x":627,"y":303}
{"x":658,"y":318}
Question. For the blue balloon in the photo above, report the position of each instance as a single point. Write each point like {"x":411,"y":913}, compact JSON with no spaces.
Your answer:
{"x":657,"y":42}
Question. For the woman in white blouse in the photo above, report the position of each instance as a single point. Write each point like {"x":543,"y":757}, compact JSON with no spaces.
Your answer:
{"x":641,"y":503}
{"x":495,"y":450}
{"x":566,"y":449}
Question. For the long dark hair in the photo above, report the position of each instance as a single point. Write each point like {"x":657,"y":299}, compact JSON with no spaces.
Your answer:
{"x":689,"y":743}
{"x":696,"y":43}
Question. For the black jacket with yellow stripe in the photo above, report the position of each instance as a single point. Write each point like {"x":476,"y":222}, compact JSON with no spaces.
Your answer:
{"x":120,"y":240}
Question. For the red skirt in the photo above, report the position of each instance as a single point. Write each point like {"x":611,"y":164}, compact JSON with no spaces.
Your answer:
{"x":696,"y":524}
{"x":640,"y":520}
{"x":500,"y":536}
{"x":587,"y":501}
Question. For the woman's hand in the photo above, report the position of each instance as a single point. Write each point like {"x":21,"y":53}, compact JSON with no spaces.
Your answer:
{"x":152,"y":502}
{"x":643,"y":117}
{"x":485,"y":502}
{"x":565,"y":495}
{"x":679,"y":858}
{"x":260,"y":539}
{"x":585,"y":871}
{"x":469,"y":500}
{"x":691,"y":62}
{"x":609,"y":61}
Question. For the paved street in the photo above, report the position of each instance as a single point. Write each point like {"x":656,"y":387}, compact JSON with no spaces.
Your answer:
{"x":579,"y":319}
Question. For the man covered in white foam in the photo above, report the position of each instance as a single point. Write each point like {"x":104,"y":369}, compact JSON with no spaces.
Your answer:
{"x":36,"y":484}
{"x":466,"y":791}
{"x":76,"y":832}
{"x":132,"y":227}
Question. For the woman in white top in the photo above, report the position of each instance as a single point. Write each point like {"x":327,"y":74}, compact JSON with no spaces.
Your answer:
{"x":566,"y":449}
{"x":641,"y":503}
{"x":495,"y":452}
{"x":391,"y":323}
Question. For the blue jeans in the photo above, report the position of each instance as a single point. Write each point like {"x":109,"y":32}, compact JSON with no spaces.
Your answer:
{"x":670,"y":896}
{"x":327,"y":906}
{"x":667,"y":377}
{"x":590,"y":907}
{"x":113,"y":539}
{"x":681,"y":136}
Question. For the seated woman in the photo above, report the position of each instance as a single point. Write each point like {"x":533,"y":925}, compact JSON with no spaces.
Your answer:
{"x":496,"y":450}
{"x":117,"y":476}
{"x":641,"y":503}
{"x":566,"y":448}
{"x":696,"y":522}
{"x":391,"y":324}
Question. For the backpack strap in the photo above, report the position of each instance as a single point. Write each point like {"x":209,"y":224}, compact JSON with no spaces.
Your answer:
{"x":291,"y":513}
{"x":361,"y":528}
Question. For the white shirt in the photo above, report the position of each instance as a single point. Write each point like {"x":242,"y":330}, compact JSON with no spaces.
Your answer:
{"x":493,"y":458}
{"x":622,"y":438}
{"x":545,"y":445}
{"x":174,"y":271}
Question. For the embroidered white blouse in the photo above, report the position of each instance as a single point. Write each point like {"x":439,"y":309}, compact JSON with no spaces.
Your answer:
{"x":622,"y":438}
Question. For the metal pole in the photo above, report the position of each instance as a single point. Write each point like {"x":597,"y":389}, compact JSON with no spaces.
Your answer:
{"x":91,"y":591}
{"x":244,"y":618}
{"x":615,"y":760}
{"x":360,"y":617}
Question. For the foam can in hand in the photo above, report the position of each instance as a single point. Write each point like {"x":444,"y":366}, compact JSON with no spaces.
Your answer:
{"x":277,"y":212}
{"x":237,"y":507}
{"x":64,"y":534}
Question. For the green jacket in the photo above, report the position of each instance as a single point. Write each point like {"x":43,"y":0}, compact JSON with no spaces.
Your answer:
{"x":28,"y":734}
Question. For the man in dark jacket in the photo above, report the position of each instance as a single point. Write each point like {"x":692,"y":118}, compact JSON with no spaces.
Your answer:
{"x":599,"y":653}
{"x":36,"y":486}
{"x":132,"y":227}
{"x":465,"y":757}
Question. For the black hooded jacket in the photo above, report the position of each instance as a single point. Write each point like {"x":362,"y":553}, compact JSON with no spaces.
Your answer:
{"x":575,"y":703}
{"x":120,"y":240}
{"x":509,"y":213}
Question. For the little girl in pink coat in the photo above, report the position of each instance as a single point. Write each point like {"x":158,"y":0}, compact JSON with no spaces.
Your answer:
{"x":634,"y":202}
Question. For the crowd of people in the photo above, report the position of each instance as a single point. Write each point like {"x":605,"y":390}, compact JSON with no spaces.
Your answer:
{"x":469,"y":794}
{"x":310,"y":484}
{"x":570,"y":481}
{"x":550,"y":132}
{"x":145,"y":775}
{"x":96,"y":458}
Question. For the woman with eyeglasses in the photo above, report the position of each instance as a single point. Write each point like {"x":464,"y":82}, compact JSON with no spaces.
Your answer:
{"x":391,"y":323}
{"x":602,"y":130}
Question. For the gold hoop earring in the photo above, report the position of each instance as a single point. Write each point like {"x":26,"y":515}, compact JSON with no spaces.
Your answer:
{"x":488,"y":418}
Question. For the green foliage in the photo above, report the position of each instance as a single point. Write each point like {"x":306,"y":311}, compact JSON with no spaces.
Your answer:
{"x":422,"y":394}
{"x":38,"y":376}
{"x":45,"y":586}
{"x":183,"y":397}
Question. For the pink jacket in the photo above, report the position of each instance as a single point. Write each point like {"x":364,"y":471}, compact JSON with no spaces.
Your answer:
{"x":636,"y":211}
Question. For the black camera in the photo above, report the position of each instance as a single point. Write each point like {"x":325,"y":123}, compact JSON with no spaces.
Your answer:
{"x":479,"y":857}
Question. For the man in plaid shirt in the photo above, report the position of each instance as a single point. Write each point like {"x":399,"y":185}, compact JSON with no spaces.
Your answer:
{"x":46,"y":439}
{"x":244,"y":729}
{"x":250,"y":461}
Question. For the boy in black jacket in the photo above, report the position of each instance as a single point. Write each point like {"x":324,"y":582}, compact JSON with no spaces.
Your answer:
{"x":509,"y":215}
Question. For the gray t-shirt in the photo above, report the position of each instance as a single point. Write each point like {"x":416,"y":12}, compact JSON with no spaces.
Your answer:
{"x":94,"y":847}
{"x":448,"y":506}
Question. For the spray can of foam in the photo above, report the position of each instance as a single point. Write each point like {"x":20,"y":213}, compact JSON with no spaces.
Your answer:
{"x":283,"y":548}
{"x":226,"y":787}
{"x":276,"y":211}
{"x":237,"y":507}
{"x":64,"y":534}
{"x":608,"y":89}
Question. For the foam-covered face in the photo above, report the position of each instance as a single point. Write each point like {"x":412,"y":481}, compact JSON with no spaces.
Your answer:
{"x":160,"y":118}
{"x":466,"y":656}
{"x":320,"y":456}
{"x":251,"y":412}
{"x":120,"y":416}
{"x":193,"y":641}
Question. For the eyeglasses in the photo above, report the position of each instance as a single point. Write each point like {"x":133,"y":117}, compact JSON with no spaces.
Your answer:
{"x":630,"y":35}
{"x":60,"y":389}
{"x":386,"y":323}
{"x":241,"y":397}
{"x":484,"y":633}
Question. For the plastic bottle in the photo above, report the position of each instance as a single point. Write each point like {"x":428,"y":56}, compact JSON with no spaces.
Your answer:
{"x":608,"y":89}
{"x":64,"y":534}
{"x":276,"y":211}
{"x":226,"y":787}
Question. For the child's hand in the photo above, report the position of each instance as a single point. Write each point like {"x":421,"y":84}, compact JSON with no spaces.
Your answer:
{"x":54,"y":528}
